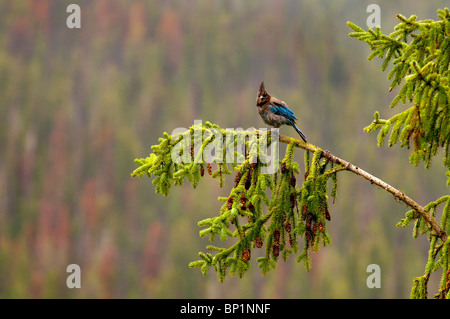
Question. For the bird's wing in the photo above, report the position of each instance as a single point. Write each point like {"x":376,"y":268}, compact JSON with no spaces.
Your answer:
{"x":283,"y":110}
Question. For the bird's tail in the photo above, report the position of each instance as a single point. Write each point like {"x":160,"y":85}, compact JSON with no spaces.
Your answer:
{"x":299,"y":132}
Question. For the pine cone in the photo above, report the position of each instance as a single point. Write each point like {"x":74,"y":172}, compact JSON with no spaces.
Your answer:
{"x":246,"y":255}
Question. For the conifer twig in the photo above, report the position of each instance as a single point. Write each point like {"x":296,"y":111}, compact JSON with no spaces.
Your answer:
{"x":399,"y":195}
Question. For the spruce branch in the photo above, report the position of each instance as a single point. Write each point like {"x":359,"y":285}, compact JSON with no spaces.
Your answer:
{"x":398,"y":195}
{"x":292,"y":211}
{"x":421,"y":68}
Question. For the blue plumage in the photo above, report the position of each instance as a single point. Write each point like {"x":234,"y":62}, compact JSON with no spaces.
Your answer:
{"x":284,"y":111}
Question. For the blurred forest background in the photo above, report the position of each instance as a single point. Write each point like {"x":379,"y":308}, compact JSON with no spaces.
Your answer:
{"x":79,"y":105}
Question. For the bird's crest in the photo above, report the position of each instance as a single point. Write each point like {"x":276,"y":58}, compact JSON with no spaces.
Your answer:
{"x":262,"y":90}
{"x":262,"y":95}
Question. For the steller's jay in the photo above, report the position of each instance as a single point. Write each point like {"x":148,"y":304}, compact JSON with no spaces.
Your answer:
{"x":274,"y":111}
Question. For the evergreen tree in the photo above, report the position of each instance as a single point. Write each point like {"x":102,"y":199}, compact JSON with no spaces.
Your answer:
{"x":273,"y":212}
{"x":419,"y":52}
